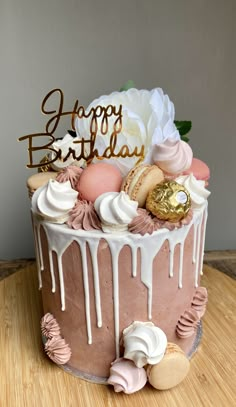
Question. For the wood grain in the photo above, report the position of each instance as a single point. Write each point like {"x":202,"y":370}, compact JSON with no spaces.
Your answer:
{"x":29,"y":379}
{"x":223,"y":260}
{"x":8,"y":267}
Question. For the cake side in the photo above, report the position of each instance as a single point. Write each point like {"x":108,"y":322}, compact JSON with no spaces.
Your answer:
{"x":96,"y":285}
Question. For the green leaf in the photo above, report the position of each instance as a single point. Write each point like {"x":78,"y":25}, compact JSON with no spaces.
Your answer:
{"x":184,"y":138}
{"x":128,"y":85}
{"x":184,"y":126}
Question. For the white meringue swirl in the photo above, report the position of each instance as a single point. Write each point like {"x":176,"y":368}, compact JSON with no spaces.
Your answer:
{"x":173,"y":156}
{"x":126,"y":377}
{"x":196,"y":188}
{"x":144,"y":343}
{"x":115,"y":210}
{"x":54,"y":200}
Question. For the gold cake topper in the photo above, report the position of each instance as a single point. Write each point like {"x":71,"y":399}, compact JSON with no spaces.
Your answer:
{"x":78,"y":111}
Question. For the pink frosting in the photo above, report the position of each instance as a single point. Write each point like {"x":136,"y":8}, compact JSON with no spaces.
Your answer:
{"x":144,"y":223}
{"x":49,"y":326}
{"x":173,"y":157}
{"x":187,"y":323}
{"x":83,"y":216}
{"x":127,"y":377}
{"x":58,"y":350}
{"x":199,"y":301}
{"x":70,"y":173}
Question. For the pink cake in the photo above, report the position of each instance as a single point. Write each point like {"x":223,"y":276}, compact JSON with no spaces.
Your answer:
{"x":119,"y":235}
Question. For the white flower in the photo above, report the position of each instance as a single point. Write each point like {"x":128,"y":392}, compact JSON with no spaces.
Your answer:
{"x":147,"y":119}
{"x":144,"y":343}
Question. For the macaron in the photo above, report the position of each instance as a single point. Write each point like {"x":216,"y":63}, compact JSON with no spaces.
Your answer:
{"x":199,"y":169}
{"x":38,"y":180}
{"x":140,"y":180}
{"x":171,"y":370}
{"x":96,"y":179}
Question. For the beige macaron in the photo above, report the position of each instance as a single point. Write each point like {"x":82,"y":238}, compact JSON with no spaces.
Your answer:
{"x":140,"y":180}
{"x":172,"y":369}
{"x":38,"y":180}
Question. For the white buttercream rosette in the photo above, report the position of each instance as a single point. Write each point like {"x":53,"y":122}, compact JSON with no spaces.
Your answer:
{"x":147,"y":119}
{"x":54,"y":200}
{"x":144,"y":343}
{"x":115,"y":210}
{"x":196,"y":188}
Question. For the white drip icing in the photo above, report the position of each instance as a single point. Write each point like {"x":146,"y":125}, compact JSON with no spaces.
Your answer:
{"x":195,"y":244}
{"x":171,"y":265}
{"x":61,"y":280}
{"x":52,"y":271}
{"x":197,"y":241}
{"x":93,"y":246}
{"x":203,"y":240}
{"x":38,"y":255}
{"x":134,"y":252}
{"x":86,"y":289}
{"x":149,"y":246}
{"x":181,"y":256}
{"x":115,"y":255}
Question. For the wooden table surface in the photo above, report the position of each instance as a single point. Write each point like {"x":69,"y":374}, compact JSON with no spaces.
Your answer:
{"x":29,"y":379}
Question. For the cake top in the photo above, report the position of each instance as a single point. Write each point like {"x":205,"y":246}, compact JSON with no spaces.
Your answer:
{"x":124,"y":151}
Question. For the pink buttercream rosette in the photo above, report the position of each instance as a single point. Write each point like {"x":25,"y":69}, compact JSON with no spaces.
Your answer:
{"x":49,"y":326}
{"x":83,"y":216}
{"x":144,"y":223}
{"x":71,"y":173}
{"x":187,"y":324}
{"x":58,"y":350}
{"x":126,"y":377}
{"x":199,"y":301}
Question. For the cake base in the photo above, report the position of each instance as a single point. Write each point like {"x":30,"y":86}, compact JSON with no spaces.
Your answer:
{"x":96,"y":286}
{"x":103,"y":380}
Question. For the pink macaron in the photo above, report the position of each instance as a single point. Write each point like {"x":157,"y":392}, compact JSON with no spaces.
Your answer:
{"x":199,"y":169}
{"x":97,"y":179}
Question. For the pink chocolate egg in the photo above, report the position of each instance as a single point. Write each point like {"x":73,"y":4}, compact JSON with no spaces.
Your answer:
{"x":97,"y":179}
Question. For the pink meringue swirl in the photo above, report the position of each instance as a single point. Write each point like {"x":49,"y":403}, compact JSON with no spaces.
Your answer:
{"x":49,"y":326}
{"x":199,"y":301}
{"x":173,"y":157}
{"x":70,"y":173}
{"x":144,"y":223}
{"x":126,"y":377}
{"x":58,"y":350}
{"x":83,"y":216}
{"x":187,"y":324}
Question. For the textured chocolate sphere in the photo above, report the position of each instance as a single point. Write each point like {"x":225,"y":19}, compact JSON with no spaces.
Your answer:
{"x":169,"y":201}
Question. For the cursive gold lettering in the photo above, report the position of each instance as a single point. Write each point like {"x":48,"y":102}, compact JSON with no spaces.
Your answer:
{"x":99,"y":123}
{"x":46,"y":147}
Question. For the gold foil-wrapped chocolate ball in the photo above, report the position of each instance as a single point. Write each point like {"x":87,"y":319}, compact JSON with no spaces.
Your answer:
{"x":169,"y":201}
{"x":46,"y":167}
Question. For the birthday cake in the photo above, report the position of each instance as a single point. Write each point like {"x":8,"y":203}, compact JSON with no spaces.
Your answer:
{"x":119,"y":212}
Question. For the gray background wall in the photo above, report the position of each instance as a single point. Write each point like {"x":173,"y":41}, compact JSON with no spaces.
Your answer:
{"x":88,"y":48}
